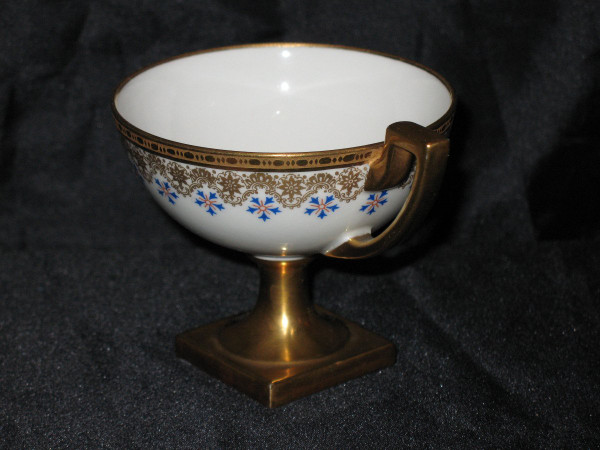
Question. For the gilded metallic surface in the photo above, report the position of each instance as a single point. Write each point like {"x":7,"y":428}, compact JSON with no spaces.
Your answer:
{"x":391,"y":169}
{"x":283,"y":327}
{"x":286,"y":348}
{"x":430,"y":151}
{"x":258,"y":161}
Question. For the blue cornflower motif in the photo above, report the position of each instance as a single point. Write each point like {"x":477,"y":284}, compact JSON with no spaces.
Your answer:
{"x":165,"y":190}
{"x":209,"y":202}
{"x":321,"y":207}
{"x":374,"y":201}
{"x":263,"y":209}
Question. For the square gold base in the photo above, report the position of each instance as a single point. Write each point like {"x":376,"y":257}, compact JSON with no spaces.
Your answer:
{"x":277,"y":383}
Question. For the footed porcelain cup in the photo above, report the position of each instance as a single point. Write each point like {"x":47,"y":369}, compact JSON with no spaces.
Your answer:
{"x":285,"y":151}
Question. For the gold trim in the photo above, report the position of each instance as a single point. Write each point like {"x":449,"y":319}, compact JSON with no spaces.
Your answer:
{"x":275,"y":162}
{"x":253,"y":161}
{"x":430,"y":151}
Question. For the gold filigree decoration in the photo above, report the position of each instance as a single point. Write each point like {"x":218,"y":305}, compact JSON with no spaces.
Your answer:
{"x":291,"y":190}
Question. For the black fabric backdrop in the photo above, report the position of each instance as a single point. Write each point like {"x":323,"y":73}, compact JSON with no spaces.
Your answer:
{"x":494,"y":305}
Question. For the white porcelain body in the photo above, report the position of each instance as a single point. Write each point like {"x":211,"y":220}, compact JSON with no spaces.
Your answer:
{"x":280,"y":100}
{"x":309,"y":212}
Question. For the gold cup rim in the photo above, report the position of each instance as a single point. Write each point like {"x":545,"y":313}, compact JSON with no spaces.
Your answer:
{"x":269,"y":161}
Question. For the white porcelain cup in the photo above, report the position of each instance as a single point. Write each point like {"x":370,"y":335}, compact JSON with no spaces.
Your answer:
{"x":278,"y":150}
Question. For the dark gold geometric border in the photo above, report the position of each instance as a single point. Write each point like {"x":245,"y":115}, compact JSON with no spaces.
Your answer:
{"x":279,"y":162}
{"x":271,"y":162}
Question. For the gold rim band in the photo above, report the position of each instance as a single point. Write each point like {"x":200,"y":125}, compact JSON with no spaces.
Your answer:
{"x":279,"y":162}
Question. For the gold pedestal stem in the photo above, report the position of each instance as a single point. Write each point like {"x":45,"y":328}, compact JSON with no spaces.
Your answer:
{"x":284,"y":326}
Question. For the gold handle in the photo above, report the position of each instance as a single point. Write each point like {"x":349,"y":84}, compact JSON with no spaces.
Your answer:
{"x":430,"y":150}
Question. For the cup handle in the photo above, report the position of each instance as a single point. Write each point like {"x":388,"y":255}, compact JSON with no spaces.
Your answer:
{"x":430,"y":150}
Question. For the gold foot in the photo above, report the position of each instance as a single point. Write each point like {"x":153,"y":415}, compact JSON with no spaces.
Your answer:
{"x":285,"y":348}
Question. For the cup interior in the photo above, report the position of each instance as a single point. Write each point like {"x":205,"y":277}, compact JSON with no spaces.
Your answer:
{"x":280,"y":99}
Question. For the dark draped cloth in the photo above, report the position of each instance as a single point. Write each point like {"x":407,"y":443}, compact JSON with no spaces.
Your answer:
{"x":493,"y":305}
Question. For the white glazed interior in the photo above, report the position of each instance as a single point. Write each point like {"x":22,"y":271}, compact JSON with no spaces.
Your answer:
{"x":280,"y":99}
